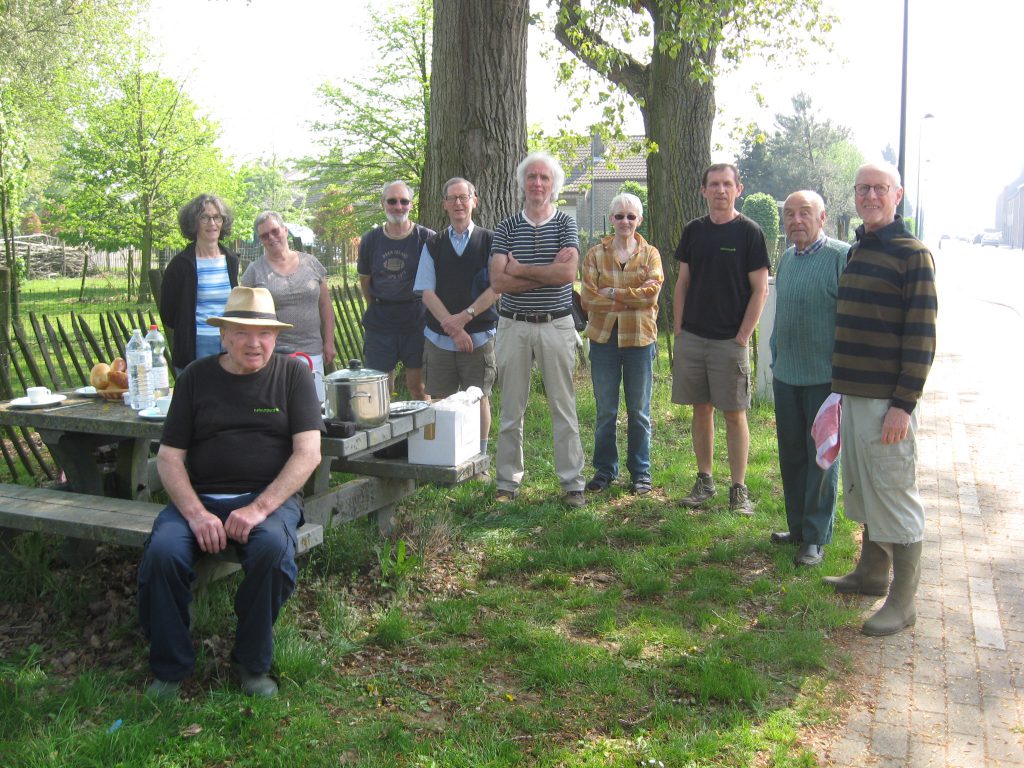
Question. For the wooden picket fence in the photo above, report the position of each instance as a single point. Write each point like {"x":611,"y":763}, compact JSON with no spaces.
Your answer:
{"x":56,"y":354}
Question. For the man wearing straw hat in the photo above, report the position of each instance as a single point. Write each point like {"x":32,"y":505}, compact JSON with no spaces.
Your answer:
{"x":241,"y":438}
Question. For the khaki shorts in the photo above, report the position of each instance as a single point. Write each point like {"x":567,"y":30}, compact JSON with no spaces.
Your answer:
{"x":715,"y":371}
{"x":448,"y":372}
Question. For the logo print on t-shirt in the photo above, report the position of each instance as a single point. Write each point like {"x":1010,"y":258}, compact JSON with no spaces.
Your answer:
{"x":394,"y":263}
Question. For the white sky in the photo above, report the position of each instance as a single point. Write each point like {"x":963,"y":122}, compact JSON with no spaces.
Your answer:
{"x":255,"y":67}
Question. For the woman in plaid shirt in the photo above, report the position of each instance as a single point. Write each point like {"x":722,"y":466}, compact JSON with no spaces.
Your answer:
{"x":622,"y":278}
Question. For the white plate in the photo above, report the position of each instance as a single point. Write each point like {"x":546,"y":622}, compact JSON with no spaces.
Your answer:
{"x":151,"y":414}
{"x":405,"y":407}
{"x":24,"y":402}
{"x":87,"y":392}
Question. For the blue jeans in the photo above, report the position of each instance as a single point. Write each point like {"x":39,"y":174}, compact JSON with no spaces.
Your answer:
{"x":633,"y":367}
{"x":167,"y":572}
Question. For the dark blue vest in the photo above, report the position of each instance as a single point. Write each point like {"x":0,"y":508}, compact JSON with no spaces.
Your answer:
{"x":461,"y":279}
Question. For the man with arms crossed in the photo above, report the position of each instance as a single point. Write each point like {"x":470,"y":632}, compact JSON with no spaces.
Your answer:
{"x":533,"y":264}
{"x":806,"y":286}
{"x":884,"y":348}
{"x":719,"y":294}
{"x":459,"y":349}
{"x":393,"y":322}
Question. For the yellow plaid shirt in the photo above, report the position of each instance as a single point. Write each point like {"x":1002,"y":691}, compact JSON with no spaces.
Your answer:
{"x":637,"y":285}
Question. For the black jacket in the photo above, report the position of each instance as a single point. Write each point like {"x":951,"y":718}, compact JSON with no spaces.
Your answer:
{"x":178,"y":301}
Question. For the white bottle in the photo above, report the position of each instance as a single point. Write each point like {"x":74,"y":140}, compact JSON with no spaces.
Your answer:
{"x":158,"y":373}
{"x":140,"y":362}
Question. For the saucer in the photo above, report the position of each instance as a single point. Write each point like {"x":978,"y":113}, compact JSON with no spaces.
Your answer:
{"x":24,"y":402}
{"x":152,"y":414}
{"x":405,"y":407}
{"x":87,"y":392}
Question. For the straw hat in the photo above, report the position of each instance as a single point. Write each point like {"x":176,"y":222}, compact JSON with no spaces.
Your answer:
{"x":249,"y":306}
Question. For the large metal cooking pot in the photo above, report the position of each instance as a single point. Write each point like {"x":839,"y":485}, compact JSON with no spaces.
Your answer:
{"x":358,"y":394}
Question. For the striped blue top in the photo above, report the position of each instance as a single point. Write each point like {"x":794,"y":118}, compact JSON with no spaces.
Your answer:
{"x":536,"y":244}
{"x":212,"y":291}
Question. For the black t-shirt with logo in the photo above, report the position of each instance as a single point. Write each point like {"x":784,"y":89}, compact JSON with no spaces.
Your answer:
{"x":391,"y":265}
{"x":237,"y":429}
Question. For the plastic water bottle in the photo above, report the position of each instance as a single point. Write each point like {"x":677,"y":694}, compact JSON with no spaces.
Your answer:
{"x":158,"y":373}
{"x":140,"y":363}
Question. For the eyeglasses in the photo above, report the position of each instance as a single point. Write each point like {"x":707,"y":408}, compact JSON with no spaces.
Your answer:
{"x":264,"y":236}
{"x":881,"y":190}
{"x":398,"y":201}
{"x":208,"y":219}
{"x":621,"y":216}
{"x":458,"y":198}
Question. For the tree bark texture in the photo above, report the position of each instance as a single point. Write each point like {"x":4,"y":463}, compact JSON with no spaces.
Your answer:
{"x":477,"y":124}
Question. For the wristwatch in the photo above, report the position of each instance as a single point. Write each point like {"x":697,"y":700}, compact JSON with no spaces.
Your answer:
{"x":470,"y":311}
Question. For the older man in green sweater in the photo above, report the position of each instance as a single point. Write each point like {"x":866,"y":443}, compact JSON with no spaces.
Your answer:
{"x":807,"y":286}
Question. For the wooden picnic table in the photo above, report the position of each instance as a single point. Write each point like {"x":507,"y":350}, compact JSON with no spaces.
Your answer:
{"x":74,"y":428}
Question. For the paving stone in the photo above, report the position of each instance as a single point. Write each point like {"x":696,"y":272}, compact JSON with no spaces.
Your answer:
{"x":925,"y":754}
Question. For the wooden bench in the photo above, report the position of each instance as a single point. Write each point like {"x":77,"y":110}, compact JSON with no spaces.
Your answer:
{"x":421,"y":473}
{"x":115,"y":521}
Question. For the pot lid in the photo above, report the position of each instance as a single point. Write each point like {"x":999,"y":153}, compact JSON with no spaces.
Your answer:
{"x":355,"y":372}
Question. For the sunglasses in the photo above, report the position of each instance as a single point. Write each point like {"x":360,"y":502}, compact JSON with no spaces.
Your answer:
{"x":621,"y":216}
{"x":398,"y":201}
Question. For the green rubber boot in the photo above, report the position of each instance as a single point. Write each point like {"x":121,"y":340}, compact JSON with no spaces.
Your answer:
{"x":898,"y":611}
{"x":870,"y":576}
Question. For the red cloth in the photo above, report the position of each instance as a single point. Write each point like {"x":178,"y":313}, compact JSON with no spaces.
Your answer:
{"x":825,"y":430}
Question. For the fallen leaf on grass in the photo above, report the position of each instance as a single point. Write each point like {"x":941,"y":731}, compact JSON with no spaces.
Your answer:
{"x":193,"y":730}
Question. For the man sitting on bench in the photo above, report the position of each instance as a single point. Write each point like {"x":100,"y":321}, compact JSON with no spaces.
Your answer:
{"x":241,"y":438}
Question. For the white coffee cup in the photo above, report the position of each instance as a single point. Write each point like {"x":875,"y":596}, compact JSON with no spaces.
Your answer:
{"x":163,"y":404}
{"x":37,"y":394}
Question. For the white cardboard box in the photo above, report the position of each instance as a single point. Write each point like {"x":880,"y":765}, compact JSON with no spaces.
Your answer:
{"x":453,"y":438}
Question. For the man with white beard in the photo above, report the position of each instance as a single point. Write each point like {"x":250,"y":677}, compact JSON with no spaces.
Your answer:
{"x":388,"y":259}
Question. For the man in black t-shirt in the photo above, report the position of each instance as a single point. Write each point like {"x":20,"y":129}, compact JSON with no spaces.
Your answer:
{"x":719,"y":294}
{"x":241,"y":438}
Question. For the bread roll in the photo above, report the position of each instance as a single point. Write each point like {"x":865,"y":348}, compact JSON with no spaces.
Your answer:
{"x":99,"y":376}
{"x":119,"y":379}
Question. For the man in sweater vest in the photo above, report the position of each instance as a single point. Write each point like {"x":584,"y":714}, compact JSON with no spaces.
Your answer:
{"x":884,"y":347}
{"x":452,"y":278}
{"x":806,"y":287}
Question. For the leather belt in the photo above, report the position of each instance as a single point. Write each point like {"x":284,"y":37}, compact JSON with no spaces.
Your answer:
{"x":535,"y":317}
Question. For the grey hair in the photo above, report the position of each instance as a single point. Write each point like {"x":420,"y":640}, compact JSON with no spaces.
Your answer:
{"x":458,"y":180}
{"x":626,"y":200}
{"x":557,"y":174}
{"x":268,"y":216}
{"x":188,"y":216}
{"x":818,"y":200}
{"x":888,"y":169}
{"x":390,"y":184}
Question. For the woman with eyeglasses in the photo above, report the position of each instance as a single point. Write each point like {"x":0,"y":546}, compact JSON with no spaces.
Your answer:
{"x":298,"y":283}
{"x":197,"y":281}
{"x":622,"y":278}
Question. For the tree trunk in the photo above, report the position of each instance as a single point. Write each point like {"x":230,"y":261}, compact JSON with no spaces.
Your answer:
{"x":147,"y":253}
{"x":678,"y":117}
{"x":477,"y":105}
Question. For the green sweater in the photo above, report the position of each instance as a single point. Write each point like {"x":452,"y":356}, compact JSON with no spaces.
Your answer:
{"x":806,"y":289}
{"x":885,"y":322}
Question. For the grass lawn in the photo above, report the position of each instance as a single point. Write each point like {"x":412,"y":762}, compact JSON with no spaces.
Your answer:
{"x":523,"y":634}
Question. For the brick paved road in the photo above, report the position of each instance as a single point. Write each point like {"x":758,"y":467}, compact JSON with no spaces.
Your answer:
{"x":951,"y":691}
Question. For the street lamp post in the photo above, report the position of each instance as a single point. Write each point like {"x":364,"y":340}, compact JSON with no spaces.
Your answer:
{"x":918,"y":218}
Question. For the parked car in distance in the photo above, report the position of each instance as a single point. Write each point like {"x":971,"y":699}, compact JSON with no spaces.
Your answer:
{"x":991,"y":237}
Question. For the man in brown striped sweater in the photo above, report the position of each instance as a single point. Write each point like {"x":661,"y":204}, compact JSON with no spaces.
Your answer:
{"x":884,"y":347}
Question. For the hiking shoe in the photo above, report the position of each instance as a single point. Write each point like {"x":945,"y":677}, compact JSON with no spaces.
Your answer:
{"x":703,"y":490}
{"x":739,"y":500}
{"x":255,"y":683}
{"x":504,"y":496}
{"x":163,"y":689}
{"x":784,"y":537}
{"x":574,"y":499}
{"x":598,"y":483}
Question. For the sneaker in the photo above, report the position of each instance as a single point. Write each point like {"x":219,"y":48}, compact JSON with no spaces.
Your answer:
{"x":574,"y":499}
{"x":703,"y":489}
{"x":642,"y":486}
{"x":255,"y":683}
{"x":598,"y":483}
{"x":739,"y":500}
{"x":163,"y":689}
